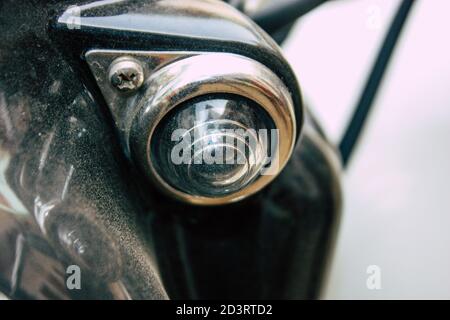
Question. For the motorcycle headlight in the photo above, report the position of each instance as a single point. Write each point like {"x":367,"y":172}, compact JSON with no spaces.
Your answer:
{"x":207,"y":128}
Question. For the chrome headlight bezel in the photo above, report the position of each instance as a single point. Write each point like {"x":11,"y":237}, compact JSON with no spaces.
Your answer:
{"x":173,"y":78}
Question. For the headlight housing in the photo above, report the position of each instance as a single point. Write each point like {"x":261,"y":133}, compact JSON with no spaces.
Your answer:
{"x":203,"y":104}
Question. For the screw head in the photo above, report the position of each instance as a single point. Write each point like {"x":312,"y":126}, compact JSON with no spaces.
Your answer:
{"x":126,"y":74}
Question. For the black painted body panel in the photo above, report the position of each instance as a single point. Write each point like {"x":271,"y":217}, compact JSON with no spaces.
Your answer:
{"x":69,"y":196}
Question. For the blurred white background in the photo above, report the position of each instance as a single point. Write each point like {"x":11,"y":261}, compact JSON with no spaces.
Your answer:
{"x":396,"y":190}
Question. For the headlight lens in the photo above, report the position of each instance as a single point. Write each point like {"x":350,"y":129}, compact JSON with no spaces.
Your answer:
{"x":213,"y":145}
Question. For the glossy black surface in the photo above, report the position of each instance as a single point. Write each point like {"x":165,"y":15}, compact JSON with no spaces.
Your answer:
{"x":62,"y":166}
{"x":68,"y":195}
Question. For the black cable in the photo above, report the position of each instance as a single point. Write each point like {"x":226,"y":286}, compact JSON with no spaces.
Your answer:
{"x":367,"y":98}
{"x":283,"y":12}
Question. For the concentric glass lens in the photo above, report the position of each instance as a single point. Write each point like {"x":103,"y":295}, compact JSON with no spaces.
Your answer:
{"x":213,"y":146}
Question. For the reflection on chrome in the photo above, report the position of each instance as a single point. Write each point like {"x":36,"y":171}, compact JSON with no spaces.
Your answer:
{"x":217,"y":145}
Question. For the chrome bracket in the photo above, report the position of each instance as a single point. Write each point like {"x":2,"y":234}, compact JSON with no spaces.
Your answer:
{"x":121,"y":104}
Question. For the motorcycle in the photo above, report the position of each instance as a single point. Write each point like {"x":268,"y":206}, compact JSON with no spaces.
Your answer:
{"x":162,"y":150}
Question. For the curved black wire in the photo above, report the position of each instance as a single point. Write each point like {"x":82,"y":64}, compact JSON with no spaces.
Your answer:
{"x":363,"y":108}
